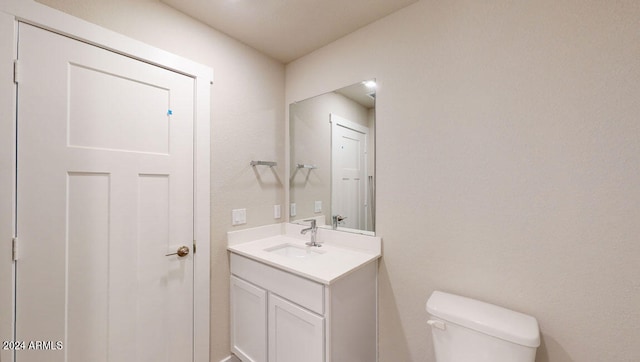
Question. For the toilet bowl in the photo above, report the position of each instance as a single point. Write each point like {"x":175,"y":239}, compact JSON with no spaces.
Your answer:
{"x":468,"y":330}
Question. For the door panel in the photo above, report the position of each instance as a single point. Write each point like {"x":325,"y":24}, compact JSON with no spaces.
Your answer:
{"x":87,"y":268}
{"x":103,"y":124}
{"x":105,"y":189}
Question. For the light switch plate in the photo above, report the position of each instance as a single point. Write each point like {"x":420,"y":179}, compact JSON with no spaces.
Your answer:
{"x":318,"y":206}
{"x":276,"y":212}
{"x":292,"y":209}
{"x":238,"y":216}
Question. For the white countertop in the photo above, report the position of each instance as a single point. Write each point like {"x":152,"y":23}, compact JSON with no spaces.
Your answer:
{"x":340,"y":254}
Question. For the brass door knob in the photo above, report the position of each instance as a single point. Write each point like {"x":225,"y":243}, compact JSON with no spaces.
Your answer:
{"x":181,"y":252}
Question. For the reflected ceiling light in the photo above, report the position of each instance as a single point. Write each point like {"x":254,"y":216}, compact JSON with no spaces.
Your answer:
{"x":370,"y":84}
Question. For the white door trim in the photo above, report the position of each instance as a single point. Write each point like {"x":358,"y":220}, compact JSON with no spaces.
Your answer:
{"x":337,"y":120}
{"x":8,"y":52}
{"x":12,"y":11}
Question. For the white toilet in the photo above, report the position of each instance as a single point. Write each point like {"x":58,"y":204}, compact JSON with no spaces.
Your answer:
{"x":468,"y":330}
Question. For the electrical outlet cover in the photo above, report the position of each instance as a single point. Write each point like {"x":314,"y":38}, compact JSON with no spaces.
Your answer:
{"x":238,"y":216}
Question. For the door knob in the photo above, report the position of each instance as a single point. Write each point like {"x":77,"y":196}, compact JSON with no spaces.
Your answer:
{"x":181,"y":252}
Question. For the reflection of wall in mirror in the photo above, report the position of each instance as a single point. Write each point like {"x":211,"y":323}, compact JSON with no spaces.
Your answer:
{"x":310,"y":133}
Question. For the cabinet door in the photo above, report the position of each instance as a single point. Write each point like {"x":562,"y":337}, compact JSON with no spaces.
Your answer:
{"x":248,"y":321}
{"x":295,"y":334}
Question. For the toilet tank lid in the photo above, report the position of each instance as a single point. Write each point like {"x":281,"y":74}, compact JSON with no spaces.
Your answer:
{"x":486,"y":318}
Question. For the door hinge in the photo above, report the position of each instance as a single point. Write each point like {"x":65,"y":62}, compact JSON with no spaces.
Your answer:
{"x":14,"y":249}
{"x":16,"y":71}
{"x":194,"y":246}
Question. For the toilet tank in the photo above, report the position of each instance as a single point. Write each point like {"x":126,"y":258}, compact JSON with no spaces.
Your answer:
{"x":464,"y":330}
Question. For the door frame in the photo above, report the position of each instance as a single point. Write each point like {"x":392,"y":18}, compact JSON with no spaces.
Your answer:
{"x":30,"y":12}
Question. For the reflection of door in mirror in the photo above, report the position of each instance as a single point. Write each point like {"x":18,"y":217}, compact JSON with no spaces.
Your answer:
{"x":314,"y":190}
{"x":349,"y":170}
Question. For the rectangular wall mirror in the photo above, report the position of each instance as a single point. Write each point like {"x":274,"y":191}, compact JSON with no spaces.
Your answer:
{"x":332,"y":157}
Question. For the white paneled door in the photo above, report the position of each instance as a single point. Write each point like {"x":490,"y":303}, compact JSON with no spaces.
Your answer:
{"x":104,"y":193}
{"x":349,"y":170}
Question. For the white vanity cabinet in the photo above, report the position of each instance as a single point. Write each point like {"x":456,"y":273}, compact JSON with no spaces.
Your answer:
{"x":278,"y":316}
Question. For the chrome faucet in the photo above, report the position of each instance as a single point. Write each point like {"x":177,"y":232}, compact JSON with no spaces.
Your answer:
{"x":314,"y":231}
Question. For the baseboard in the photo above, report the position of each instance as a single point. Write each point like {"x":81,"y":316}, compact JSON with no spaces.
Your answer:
{"x":231,"y":358}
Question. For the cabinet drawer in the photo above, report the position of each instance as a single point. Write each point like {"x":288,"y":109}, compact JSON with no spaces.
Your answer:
{"x":304,"y":292}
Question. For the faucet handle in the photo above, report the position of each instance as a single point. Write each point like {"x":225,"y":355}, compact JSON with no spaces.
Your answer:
{"x":313,"y":222}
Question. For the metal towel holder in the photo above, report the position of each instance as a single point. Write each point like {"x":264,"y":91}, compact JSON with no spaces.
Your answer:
{"x":302,"y":165}
{"x":263,"y":163}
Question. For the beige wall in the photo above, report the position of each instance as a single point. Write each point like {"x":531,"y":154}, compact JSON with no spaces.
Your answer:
{"x":508,"y":165}
{"x":247,"y":122}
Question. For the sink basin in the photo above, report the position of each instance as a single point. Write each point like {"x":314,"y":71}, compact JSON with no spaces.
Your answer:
{"x":295,"y":251}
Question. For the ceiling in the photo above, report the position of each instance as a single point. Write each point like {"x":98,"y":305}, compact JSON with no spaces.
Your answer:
{"x":287,"y":29}
{"x":360,"y":93}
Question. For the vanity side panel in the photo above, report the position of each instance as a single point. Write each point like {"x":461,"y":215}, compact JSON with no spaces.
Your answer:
{"x":353,"y":316}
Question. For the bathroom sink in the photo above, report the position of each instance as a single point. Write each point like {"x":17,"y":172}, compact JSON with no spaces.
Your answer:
{"x":295,"y":251}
